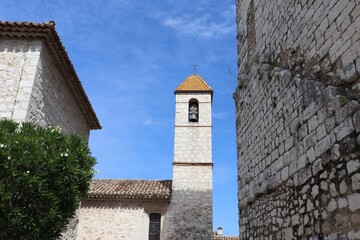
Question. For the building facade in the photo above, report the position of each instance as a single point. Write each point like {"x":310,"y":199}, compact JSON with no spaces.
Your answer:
{"x":38,"y":83}
{"x":190,"y":211}
{"x":175,"y":209}
{"x":298,"y":119}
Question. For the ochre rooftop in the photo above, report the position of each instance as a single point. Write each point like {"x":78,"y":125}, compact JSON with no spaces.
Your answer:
{"x":130,"y":189}
{"x":194,"y":83}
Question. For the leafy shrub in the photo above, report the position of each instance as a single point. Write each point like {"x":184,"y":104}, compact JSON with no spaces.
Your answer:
{"x":44,"y":174}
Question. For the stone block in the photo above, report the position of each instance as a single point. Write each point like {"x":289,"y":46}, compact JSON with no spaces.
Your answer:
{"x":324,"y":144}
{"x":346,"y":111}
{"x":355,"y":182}
{"x":336,"y":103}
{"x":344,"y":129}
{"x":321,"y":131}
{"x":327,"y":95}
{"x":310,"y":111}
{"x":310,"y":140}
{"x":348,"y":73}
{"x":353,"y":166}
{"x":311,"y":154}
{"x":354,"y":201}
{"x":357,"y":63}
{"x":315,"y":191}
{"x":313,"y":123}
{"x":317,"y":167}
{"x":302,"y":161}
{"x":356,"y":121}
{"x":343,"y":187}
{"x":330,"y":124}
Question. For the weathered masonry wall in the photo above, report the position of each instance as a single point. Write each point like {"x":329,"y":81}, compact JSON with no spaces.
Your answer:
{"x":32,"y":88}
{"x":18,"y":63}
{"x":52,"y":101}
{"x":298,"y":119}
{"x":112,"y":219}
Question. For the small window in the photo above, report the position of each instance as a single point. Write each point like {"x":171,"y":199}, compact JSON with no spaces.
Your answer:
{"x":193,"y":110}
{"x":154,"y":226}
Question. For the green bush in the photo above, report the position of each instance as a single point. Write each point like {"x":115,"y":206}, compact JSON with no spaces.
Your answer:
{"x":44,"y":174}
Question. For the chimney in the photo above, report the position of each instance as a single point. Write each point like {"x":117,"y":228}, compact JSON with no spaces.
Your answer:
{"x":219,"y":231}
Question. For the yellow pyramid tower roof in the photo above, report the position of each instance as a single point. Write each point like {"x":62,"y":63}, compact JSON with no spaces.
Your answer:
{"x":194,"y":83}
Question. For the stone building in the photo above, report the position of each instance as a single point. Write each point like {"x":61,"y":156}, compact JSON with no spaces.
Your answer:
{"x":298,"y":119}
{"x":38,"y":83}
{"x":175,"y":209}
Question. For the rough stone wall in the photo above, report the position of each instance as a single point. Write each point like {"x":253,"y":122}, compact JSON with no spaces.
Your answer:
{"x":116,"y":220}
{"x":190,"y":212}
{"x":52,"y":101}
{"x":32,"y":88}
{"x":18,"y":62}
{"x":298,"y":119}
{"x":72,"y":228}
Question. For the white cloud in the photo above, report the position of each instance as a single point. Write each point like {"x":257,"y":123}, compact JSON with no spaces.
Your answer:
{"x":150,"y":122}
{"x":203,"y":26}
{"x":220,"y":115}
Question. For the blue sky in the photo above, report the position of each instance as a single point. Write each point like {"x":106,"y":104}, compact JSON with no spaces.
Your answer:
{"x":130,"y":56}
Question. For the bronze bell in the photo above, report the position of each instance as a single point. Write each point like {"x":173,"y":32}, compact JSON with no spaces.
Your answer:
{"x":193,"y":117}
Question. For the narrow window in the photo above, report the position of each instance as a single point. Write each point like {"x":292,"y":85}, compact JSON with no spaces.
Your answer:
{"x":193,"y":110}
{"x":154,"y":227}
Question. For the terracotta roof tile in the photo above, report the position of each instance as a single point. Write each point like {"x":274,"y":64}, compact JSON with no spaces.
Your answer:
{"x":130,"y":189}
{"x":225,"y":238}
{"x":47,"y":32}
{"x":194,"y":83}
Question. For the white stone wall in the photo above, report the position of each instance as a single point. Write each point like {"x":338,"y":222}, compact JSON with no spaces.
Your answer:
{"x":193,"y":139}
{"x":113,"y":220}
{"x":18,"y":64}
{"x":52,"y":101}
{"x":298,"y":119}
{"x":32,"y":88}
{"x":190,"y":212}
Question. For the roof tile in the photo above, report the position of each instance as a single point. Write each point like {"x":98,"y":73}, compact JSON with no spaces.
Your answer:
{"x":193,"y":83}
{"x":130,"y":189}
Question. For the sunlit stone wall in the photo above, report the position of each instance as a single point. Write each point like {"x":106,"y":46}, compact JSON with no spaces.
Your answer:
{"x":32,"y":87}
{"x":298,"y":119}
{"x":190,"y":212}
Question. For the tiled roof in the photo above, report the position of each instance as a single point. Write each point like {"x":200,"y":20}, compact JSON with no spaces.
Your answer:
{"x":148,"y":190}
{"x":47,"y":32}
{"x":194,"y":83}
{"x":225,"y":238}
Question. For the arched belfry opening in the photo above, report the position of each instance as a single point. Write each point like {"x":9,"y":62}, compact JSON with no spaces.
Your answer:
{"x":193,"y":110}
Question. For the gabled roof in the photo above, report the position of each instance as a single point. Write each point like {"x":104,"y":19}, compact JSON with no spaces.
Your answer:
{"x":194,"y":83}
{"x":46,"y":31}
{"x":140,"y":190}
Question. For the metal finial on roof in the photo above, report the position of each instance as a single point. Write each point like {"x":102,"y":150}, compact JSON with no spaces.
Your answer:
{"x":194,"y":66}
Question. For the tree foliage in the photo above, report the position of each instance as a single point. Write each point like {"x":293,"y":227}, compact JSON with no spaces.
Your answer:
{"x":44,"y":174}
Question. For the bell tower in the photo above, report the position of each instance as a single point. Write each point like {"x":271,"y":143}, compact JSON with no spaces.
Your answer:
{"x":190,"y":210}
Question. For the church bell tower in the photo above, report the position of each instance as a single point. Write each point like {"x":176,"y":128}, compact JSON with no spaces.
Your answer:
{"x":190,"y":211}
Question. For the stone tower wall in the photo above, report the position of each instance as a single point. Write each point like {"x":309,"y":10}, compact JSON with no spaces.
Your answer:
{"x":298,"y":119}
{"x":190,"y":211}
{"x":32,"y":88}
